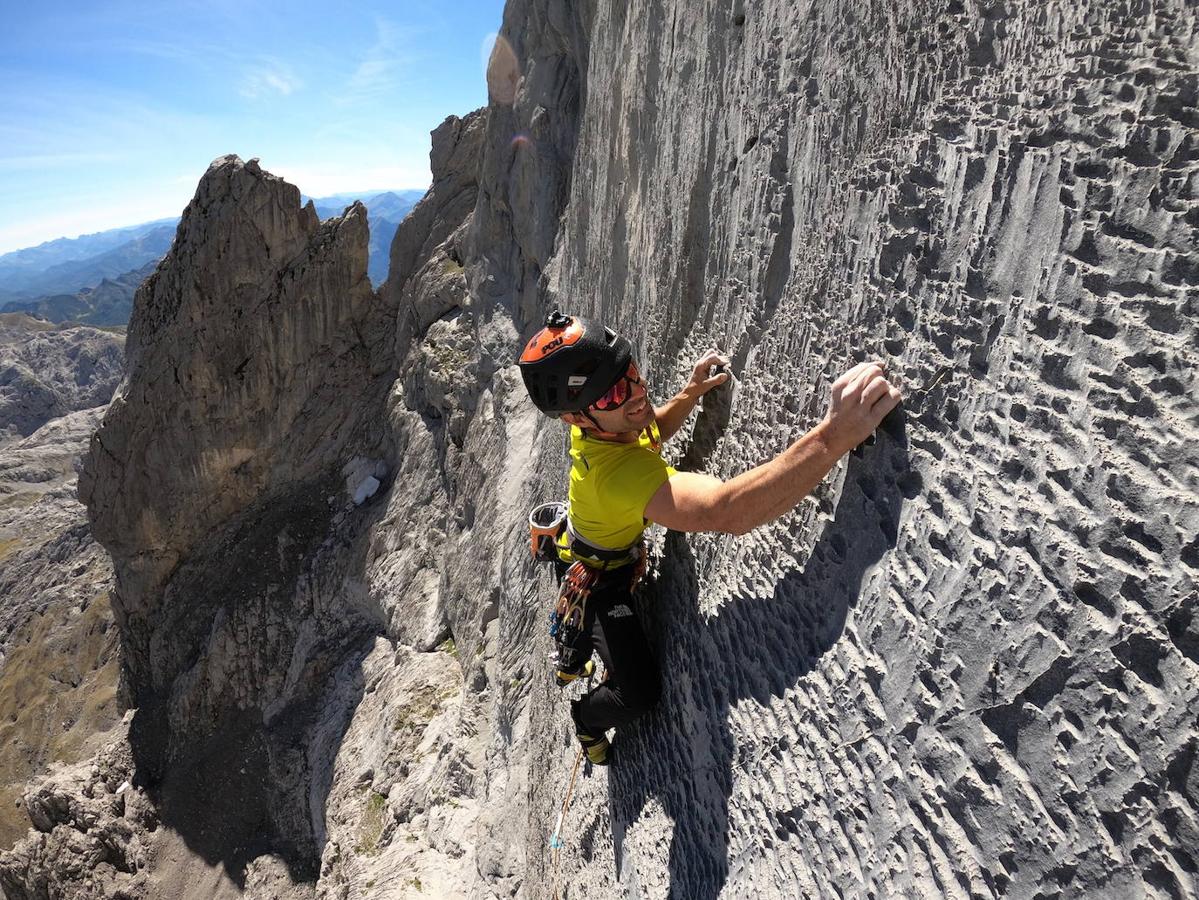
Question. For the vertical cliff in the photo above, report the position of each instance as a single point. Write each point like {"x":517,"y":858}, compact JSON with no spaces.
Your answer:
{"x":965,"y":667}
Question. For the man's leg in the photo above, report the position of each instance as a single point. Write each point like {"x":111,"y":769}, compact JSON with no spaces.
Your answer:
{"x":633,"y":684}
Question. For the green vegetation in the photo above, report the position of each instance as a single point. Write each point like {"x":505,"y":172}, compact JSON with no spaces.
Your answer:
{"x":425,"y":704}
{"x":23,"y":498}
{"x":58,"y":692}
{"x":374,"y":821}
{"x":26,"y":322}
{"x":448,"y":646}
{"x":449,"y":359}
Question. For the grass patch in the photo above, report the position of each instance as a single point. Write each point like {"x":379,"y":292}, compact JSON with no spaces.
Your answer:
{"x":425,"y":704}
{"x":448,"y":646}
{"x":374,"y":821}
{"x":19,"y":500}
{"x":9,"y":546}
{"x":58,"y":692}
{"x":25,"y":322}
{"x":449,"y":359}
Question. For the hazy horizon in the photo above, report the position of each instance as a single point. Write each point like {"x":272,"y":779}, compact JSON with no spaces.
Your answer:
{"x":363,"y":195}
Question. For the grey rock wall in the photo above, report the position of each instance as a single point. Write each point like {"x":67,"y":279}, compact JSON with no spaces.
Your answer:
{"x":58,"y":646}
{"x":258,"y":362}
{"x":967,"y":666}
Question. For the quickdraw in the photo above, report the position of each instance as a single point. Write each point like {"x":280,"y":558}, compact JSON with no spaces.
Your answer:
{"x":570,"y":612}
{"x":556,"y":843}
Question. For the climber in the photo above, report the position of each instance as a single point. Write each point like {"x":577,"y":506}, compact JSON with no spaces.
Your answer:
{"x":583,"y":373}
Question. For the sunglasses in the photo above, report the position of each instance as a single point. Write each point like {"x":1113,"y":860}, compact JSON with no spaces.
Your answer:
{"x":620,"y":393}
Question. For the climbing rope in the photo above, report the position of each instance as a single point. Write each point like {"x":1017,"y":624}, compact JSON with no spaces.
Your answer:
{"x":556,"y":844}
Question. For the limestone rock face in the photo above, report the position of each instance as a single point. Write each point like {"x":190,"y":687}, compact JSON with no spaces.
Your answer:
{"x":257,"y":367}
{"x":967,"y":667}
{"x":425,"y":275}
{"x":58,"y":646}
{"x":90,"y":837}
{"x":241,"y":349}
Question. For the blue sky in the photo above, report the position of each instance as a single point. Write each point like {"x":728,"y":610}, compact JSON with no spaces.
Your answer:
{"x":111,"y":111}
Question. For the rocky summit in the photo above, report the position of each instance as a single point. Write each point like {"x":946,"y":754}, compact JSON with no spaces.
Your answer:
{"x":965,"y":667}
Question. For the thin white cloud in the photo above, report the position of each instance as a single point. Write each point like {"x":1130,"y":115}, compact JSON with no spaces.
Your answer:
{"x":269,"y":79}
{"x":70,"y":124}
{"x":256,"y":78}
{"x":378,"y":71}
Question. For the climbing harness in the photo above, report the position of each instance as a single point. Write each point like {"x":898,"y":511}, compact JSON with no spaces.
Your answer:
{"x":556,"y":844}
{"x":548,"y":523}
{"x":569,"y":615}
{"x":598,"y":557}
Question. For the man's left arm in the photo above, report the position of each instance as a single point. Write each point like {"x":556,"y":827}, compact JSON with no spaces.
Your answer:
{"x":674,"y":412}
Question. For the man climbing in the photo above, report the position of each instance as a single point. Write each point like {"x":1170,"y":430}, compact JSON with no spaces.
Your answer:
{"x":577,"y":370}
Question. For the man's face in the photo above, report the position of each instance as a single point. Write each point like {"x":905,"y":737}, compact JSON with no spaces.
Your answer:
{"x":626,"y":405}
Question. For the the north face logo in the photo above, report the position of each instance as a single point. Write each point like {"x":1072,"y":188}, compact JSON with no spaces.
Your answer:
{"x":620,"y":611}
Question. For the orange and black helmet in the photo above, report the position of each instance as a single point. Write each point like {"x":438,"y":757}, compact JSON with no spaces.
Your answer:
{"x":571,"y":363}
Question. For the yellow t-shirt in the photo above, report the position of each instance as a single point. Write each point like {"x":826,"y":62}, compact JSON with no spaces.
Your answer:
{"x":610,"y":484}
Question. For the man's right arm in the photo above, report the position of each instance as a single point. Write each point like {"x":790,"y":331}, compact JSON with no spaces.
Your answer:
{"x":692,"y":502}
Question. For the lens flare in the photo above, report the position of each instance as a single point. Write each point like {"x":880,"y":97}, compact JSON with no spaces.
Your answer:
{"x":503,"y":70}
{"x":522,"y":140}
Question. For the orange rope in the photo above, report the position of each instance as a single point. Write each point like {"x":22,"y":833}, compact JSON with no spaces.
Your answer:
{"x":556,"y":842}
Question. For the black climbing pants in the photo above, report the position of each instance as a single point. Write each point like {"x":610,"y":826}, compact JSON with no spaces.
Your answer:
{"x":612,"y":629}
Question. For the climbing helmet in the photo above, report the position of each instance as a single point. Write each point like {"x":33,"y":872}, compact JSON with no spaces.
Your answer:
{"x":572,"y":362}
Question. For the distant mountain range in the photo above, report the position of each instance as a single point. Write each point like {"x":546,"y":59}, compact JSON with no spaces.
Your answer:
{"x":62,"y":250}
{"x":108,"y":303}
{"x":92,"y":279}
{"x":69,"y":265}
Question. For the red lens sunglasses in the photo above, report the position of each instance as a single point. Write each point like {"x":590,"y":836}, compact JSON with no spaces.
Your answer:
{"x":621,"y":392}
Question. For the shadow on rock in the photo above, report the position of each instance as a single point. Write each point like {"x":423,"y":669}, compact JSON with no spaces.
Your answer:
{"x":248,"y":637}
{"x":754,"y":648}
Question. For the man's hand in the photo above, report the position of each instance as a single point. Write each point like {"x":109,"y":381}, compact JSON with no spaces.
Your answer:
{"x":674,"y":412}
{"x":701,"y":382}
{"x":861,"y":398}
